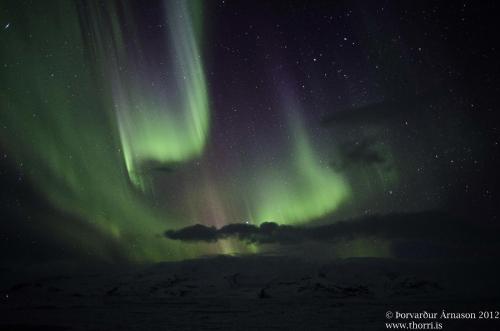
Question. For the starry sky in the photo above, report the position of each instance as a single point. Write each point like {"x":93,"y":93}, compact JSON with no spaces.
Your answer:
{"x":121,"y":120}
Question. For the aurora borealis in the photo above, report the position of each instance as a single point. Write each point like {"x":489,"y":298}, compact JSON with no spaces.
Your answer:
{"x":129,"y":119}
{"x":168,"y":123}
{"x":137,"y":120}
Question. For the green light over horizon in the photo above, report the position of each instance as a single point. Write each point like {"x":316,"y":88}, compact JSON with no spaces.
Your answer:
{"x":301,"y":190}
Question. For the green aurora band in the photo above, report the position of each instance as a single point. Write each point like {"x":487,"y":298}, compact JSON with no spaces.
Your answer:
{"x":163,"y":127}
{"x":303,"y":188}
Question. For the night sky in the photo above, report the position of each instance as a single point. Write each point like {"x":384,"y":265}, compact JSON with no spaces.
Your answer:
{"x":120,"y":120}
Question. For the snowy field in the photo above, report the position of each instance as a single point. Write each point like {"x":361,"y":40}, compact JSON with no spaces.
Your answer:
{"x":247,"y":293}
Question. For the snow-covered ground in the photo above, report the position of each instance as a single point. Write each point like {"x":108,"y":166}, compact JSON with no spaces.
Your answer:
{"x":247,"y":293}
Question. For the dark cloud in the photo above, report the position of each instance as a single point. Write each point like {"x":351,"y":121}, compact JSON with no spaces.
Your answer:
{"x":196,"y":232}
{"x":401,"y":102}
{"x":267,"y":232}
{"x":363,"y":153}
{"x":426,"y":226}
{"x":149,"y":166}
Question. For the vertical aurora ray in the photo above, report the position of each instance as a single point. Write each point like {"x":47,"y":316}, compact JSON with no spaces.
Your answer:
{"x":161,"y":119}
{"x":301,"y":186}
{"x":305,"y":189}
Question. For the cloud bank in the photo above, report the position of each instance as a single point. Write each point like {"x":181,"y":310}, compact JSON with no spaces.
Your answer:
{"x":429,"y":226}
